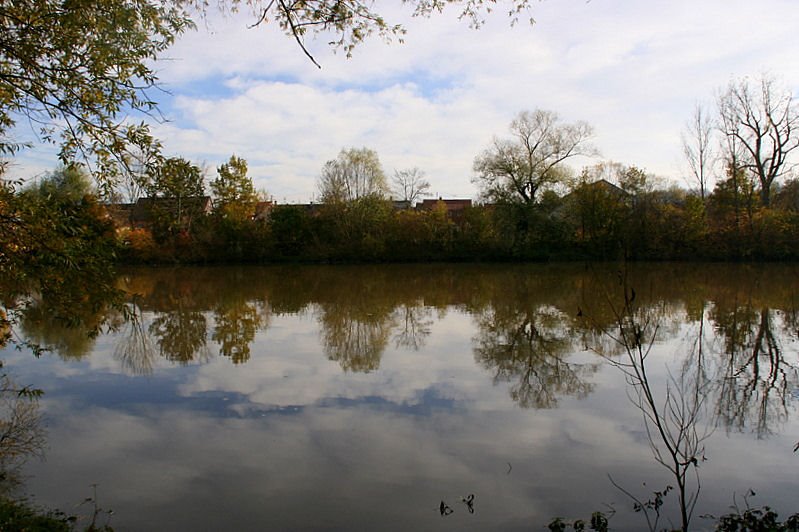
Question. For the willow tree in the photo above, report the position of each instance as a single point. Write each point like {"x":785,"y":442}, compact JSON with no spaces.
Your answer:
{"x":76,"y":69}
{"x":355,"y":174}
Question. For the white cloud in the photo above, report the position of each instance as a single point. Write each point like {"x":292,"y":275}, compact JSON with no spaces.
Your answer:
{"x":633,"y":70}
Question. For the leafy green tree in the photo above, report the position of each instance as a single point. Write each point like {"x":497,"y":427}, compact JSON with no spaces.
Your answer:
{"x":177,"y":178}
{"x":639,"y":186}
{"x":180,"y":182}
{"x":234,"y":194}
{"x":599,"y":210}
{"x":355,"y":230}
{"x":58,"y":248}
{"x":731,"y":209}
{"x":787,"y":196}
{"x":291,"y":230}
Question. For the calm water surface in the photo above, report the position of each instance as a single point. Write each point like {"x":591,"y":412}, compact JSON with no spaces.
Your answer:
{"x":362,"y":397}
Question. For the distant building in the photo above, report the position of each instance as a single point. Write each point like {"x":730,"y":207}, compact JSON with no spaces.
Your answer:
{"x":311,"y":209}
{"x":120,"y":213}
{"x":453,"y":206}
{"x":142,"y":213}
{"x":262,"y":210}
{"x":600,"y":186}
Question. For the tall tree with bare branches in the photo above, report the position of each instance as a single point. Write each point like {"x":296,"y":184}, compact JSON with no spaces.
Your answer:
{"x":762,"y":118}
{"x":698,"y":149}
{"x":410,"y":184}
{"x":517,"y":169}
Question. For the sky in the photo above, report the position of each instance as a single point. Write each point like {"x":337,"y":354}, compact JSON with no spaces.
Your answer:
{"x":632,"y":69}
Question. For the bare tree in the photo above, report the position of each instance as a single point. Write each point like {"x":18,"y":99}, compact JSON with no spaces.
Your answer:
{"x":517,"y":169}
{"x":410,"y":184}
{"x":762,"y":118}
{"x":698,"y":147}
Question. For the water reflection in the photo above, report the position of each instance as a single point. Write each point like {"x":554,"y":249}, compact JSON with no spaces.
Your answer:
{"x":355,"y":340}
{"x":755,"y":377}
{"x":22,"y":434}
{"x":413,"y":384}
{"x":527,"y":326}
{"x":530,"y":347}
{"x":413,"y":325}
{"x":134,"y":347}
{"x":180,"y":334}
{"x":235,"y":322}
{"x":73,"y":337}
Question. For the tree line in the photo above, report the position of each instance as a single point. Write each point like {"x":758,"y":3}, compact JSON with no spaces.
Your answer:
{"x":80,"y":72}
{"x":744,"y":204}
{"x":533,"y":205}
{"x":77,"y":70}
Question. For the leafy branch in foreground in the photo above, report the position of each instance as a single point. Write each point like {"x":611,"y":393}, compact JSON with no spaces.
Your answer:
{"x":56,"y":253}
{"x":348,"y":23}
{"x":75,"y":71}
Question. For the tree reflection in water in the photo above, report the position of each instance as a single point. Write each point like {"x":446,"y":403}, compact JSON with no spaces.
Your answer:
{"x":526,"y":334}
{"x":413,"y":325}
{"x":180,"y":334}
{"x":356,"y":340}
{"x":673,"y":422}
{"x":531,"y":346}
{"x":21,"y":433}
{"x":72,"y":338}
{"x":236,"y":322}
{"x":755,"y":378}
{"x":134,"y":348}
{"x":742,"y":367}
{"x":523,"y":326}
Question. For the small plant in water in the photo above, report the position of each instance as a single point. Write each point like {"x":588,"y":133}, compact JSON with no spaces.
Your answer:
{"x":598,"y":522}
{"x":93,"y":526}
{"x":762,"y":519}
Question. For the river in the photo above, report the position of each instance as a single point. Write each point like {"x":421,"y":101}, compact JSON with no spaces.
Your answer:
{"x":415,"y":397}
